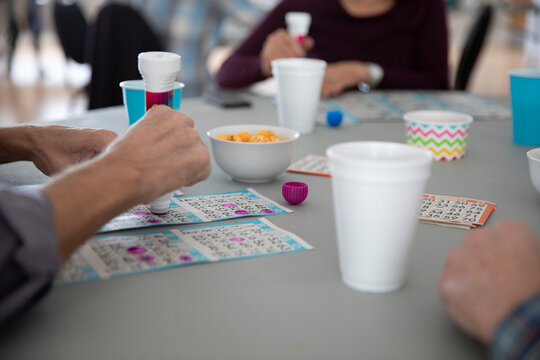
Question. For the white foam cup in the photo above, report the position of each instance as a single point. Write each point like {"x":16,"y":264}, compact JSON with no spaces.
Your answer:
{"x":377,"y":192}
{"x":299,"y":82}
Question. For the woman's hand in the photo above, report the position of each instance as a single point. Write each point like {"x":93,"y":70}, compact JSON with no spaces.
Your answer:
{"x":280,"y":44}
{"x":343,"y":75}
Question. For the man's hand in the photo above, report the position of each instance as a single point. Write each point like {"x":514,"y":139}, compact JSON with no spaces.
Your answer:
{"x":165,"y":149}
{"x":280,"y":44}
{"x":343,"y":75}
{"x":160,"y":153}
{"x":489,"y":275}
{"x":54,"y":148}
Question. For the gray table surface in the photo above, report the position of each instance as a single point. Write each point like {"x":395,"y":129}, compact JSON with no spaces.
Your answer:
{"x":289,"y":306}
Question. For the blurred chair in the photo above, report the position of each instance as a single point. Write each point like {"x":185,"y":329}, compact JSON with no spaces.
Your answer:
{"x":71,"y":28}
{"x":22,"y":15}
{"x":473,"y":46}
{"x":113,"y":42}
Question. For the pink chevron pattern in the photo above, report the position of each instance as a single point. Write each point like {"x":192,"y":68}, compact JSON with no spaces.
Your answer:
{"x":445,"y":142}
{"x":452,"y":135}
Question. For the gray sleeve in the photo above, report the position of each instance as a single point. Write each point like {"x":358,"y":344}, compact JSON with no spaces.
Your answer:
{"x":29,"y":257}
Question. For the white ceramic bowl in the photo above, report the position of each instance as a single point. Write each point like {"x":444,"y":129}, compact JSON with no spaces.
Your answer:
{"x":253,"y":162}
{"x":534,"y":167}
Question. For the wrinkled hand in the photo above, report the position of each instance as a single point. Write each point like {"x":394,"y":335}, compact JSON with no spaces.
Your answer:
{"x":165,"y":149}
{"x":58,"y":147}
{"x":280,"y":44}
{"x":343,"y":75}
{"x":490,"y":274}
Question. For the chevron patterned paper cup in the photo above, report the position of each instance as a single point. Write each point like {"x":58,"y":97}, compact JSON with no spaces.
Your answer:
{"x":444,"y":133}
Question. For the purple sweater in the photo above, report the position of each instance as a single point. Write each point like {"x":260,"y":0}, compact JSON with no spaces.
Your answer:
{"x":409,"y":42}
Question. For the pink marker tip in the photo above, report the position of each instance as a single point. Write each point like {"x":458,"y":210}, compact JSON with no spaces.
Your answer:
{"x":300,"y":38}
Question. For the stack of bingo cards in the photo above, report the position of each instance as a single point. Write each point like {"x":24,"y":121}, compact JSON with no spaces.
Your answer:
{"x":311,"y":165}
{"x":455,"y":212}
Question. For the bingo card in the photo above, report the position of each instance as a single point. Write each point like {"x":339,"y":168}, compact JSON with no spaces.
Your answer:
{"x":199,"y":209}
{"x":114,"y":255}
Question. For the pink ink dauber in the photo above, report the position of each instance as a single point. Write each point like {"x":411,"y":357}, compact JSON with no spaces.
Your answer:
{"x":298,"y":25}
{"x":159,"y":70}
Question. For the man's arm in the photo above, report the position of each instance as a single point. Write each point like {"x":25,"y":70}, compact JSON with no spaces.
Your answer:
{"x":15,"y":144}
{"x":29,"y":258}
{"x":160,"y":153}
{"x":52,"y":148}
{"x":518,"y":335}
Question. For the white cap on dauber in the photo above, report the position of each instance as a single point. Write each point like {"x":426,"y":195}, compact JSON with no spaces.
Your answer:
{"x":160,"y":206}
{"x":159,"y":70}
{"x":298,"y":23}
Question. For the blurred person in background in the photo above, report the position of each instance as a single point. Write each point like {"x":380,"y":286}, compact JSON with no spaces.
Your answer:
{"x":388,"y":44}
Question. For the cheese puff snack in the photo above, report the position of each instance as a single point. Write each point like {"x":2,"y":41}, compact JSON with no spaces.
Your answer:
{"x":260,"y":136}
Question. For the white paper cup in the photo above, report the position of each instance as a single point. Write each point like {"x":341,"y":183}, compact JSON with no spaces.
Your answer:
{"x":298,"y":24}
{"x":444,"y":133}
{"x":299,"y":84}
{"x":534,"y":167}
{"x":377,"y":190}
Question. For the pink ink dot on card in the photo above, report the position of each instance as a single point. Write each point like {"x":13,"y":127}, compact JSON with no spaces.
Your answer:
{"x":242,"y":212}
{"x":145,"y":258}
{"x":136,"y":250}
{"x":237,"y":239}
{"x":267,"y":211}
{"x":229,"y":205}
{"x":154,"y":221}
{"x":185,"y":258}
{"x":142,"y":213}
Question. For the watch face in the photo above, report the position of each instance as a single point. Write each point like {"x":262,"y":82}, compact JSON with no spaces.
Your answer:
{"x":364,"y":87}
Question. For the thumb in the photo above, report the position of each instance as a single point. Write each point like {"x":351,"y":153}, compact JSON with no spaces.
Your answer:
{"x":308,"y":43}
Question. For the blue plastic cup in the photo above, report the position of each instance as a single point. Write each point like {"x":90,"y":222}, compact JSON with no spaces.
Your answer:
{"x":525,"y":96}
{"x":133,"y":95}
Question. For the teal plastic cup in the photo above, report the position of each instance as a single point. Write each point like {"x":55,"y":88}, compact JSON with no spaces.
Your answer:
{"x":525,"y":97}
{"x":133,"y":95}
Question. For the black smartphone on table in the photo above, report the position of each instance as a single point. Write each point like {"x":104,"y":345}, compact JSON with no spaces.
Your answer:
{"x":225,"y":99}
